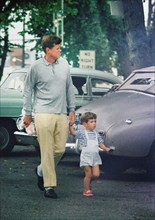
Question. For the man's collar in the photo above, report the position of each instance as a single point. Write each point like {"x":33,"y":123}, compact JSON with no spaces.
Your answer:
{"x":48,"y":63}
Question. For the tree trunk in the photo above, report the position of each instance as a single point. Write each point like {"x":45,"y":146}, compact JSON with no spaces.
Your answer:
{"x":139,"y":51}
{"x":151,"y":29}
{"x":124,"y":68}
{"x":4,"y":52}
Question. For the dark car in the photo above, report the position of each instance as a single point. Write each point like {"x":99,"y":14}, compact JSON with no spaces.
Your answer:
{"x":126,"y":119}
{"x":89,"y":85}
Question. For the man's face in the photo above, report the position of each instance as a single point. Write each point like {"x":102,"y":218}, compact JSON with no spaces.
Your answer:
{"x":54,"y":52}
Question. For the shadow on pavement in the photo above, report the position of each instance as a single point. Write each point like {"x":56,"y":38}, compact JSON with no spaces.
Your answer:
{"x":21,"y":151}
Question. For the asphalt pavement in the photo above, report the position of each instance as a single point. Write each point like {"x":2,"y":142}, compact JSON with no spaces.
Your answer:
{"x":128,"y":197}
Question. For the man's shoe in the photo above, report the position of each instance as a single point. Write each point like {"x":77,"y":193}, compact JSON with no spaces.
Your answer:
{"x":40,"y":182}
{"x":50,"y":193}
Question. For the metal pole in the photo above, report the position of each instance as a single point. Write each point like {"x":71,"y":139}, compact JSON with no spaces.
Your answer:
{"x":57,"y":28}
{"x":62,"y":22}
{"x":54,"y":22}
{"x":23,"y":46}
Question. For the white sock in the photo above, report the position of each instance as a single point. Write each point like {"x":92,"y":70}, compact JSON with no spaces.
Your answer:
{"x":47,"y":188}
{"x":39,"y":170}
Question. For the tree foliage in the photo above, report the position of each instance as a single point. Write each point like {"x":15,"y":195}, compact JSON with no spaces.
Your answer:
{"x":83,"y":32}
{"x":120,"y":42}
{"x":123,"y":43}
{"x":40,"y":20}
{"x":95,"y":29}
{"x":139,"y":50}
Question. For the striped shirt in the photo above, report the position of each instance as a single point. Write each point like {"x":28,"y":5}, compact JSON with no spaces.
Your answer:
{"x":80,"y":135}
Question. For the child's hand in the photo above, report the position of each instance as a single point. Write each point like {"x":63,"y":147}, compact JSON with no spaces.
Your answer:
{"x":107,"y":149}
{"x":111,"y":148}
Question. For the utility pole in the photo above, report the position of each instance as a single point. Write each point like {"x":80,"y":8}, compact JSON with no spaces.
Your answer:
{"x":23,"y":44}
{"x":62,"y":21}
{"x":58,"y":21}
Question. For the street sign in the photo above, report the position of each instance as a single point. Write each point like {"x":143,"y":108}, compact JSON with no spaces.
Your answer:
{"x":87,"y":59}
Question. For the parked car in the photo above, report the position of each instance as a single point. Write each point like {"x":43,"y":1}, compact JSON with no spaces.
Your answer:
{"x":89,"y":85}
{"x":126,"y":119}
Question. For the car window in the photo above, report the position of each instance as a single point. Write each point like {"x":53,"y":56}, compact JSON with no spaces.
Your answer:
{"x":100,"y":86}
{"x":144,"y":81}
{"x":80,"y":87}
{"x":15,"y":81}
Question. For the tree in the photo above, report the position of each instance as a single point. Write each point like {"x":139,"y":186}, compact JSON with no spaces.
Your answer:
{"x":114,"y":28}
{"x":151,"y":29}
{"x":139,"y":51}
{"x":84,"y":32}
{"x":121,"y":43}
{"x":40,"y":21}
{"x":10,"y":11}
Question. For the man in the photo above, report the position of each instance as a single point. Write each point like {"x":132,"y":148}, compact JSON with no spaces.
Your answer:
{"x":49,"y":92}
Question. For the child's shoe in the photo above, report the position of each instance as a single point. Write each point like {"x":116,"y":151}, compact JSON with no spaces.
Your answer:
{"x":87,"y":193}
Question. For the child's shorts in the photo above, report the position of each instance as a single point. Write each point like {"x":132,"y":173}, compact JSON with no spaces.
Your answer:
{"x":90,"y":159}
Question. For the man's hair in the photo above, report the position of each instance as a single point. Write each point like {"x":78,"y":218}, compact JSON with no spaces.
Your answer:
{"x":87,"y":116}
{"x":49,"y":41}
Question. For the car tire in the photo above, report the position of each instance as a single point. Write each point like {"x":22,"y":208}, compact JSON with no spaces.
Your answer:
{"x":37,"y":149}
{"x":151,"y":163}
{"x":7,"y":138}
{"x":113,"y":165}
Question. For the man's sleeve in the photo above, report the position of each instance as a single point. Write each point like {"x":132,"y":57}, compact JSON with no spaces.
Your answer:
{"x":70,"y":94}
{"x":28,"y":93}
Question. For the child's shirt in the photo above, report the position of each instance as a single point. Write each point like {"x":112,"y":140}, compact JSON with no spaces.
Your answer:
{"x":80,"y":135}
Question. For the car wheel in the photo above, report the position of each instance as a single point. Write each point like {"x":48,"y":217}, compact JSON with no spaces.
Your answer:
{"x":7,"y":138}
{"x":114,"y":166}
{"x":37,"y":149}
{"x":151,"y":163}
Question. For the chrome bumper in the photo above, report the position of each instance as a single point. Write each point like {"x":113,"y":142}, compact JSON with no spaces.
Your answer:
{"x":23,"y":138}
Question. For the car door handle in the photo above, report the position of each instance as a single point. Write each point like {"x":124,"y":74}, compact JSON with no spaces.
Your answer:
{"x":128,"y":121}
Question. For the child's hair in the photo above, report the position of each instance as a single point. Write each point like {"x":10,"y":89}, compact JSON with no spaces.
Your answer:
{"x":86,"y":116}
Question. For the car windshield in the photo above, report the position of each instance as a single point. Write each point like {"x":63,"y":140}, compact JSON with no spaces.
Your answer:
{"x":140,"y":81}
{"x":15,"y":81}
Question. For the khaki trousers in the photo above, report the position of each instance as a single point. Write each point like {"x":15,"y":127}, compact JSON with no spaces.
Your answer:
{"x":52,"y":133}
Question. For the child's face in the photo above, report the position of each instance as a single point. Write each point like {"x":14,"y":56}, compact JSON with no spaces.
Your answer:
{"x":90,"y":125}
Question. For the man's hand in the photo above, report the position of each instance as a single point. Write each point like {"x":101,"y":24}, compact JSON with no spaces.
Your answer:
{"x":27,"y":119}
{"x":71,"y":118}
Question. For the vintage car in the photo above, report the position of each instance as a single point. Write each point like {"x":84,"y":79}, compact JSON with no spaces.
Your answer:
{"x":126,"y":120}
{"x":89,"y":85}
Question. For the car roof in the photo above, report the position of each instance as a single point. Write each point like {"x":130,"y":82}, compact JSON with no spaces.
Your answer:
{"x":91,"y":72}
{"x":143,"y":87}
{"x":148,"y":69}
{"x":85,"y":72}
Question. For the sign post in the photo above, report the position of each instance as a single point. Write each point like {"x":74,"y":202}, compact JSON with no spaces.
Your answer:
{"x":87,"y":59}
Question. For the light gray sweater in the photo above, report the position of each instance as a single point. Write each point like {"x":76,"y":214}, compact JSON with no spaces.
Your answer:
{"x":49,"y":88}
